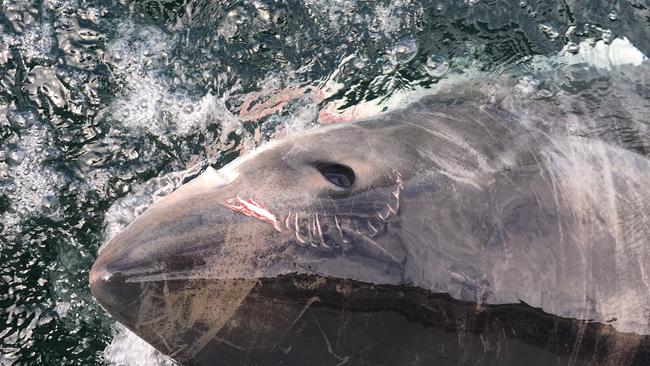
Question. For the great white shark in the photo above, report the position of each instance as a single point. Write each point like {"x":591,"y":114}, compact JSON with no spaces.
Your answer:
{"x":454,"y":231}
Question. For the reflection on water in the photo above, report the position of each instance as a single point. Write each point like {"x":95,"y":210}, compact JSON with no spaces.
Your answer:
{"x":98,"y":97}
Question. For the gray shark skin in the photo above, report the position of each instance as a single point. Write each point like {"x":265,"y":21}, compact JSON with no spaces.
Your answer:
{"x":454,"y":232}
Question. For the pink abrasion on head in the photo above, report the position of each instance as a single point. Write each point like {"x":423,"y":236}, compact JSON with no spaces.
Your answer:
{"x":252,"y":209}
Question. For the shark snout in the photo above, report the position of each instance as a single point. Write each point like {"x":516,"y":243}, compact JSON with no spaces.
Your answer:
{"x":111,"y":288}
{"x":200,"y":232}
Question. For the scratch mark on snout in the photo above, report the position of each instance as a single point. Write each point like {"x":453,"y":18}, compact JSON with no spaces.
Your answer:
{"x":253,"y":209}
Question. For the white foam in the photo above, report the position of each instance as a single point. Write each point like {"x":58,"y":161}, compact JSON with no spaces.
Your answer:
{"x":399,"y":98}
{"x":127,"y":349}
{"x":619,"y":52}
{"x":32,"y":186}
{"x":150,"y":105}
{"x":149,"y":100}
{"x":385,"y":19}
{"x":36,"y":42}
{"x":390,"y":18}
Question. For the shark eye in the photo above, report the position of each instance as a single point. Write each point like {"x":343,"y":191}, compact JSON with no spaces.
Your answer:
{"x":337,"y":174}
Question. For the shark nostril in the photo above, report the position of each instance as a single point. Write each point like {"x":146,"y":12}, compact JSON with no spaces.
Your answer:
{"x":114,"y":293}
{"x":103,"y":281}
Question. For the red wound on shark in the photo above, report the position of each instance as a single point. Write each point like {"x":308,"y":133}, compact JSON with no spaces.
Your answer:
{"x":252,"y":209}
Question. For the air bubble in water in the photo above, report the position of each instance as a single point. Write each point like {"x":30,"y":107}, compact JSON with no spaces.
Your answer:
{"x":572,"y":47}
{"x":613,"y":15}
{"x":359,"y":62}
{"x":16,"y":157}
{"x":549,"y":31}
{"x":436,"y":65}
{"x":50,"y":204}
{"x":472,"y":2}
{"x":188,"y":109}
{"x":21,"y":120}
{"x":405,"y":50}
{"x":389,"y":66}
{"x":607,"y":36}
{"x":10,"y":187}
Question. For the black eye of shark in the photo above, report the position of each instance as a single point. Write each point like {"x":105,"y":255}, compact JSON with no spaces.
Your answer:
{"x":338,"y":174}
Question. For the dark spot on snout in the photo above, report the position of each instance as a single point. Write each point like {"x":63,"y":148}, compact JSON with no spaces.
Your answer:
{"x":338,"y":174}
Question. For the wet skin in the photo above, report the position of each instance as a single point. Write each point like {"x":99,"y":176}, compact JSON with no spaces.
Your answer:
{"x":453,"y":232}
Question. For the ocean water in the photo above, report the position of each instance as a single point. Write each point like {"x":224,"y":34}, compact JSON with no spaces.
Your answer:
{"x":107,"y":105}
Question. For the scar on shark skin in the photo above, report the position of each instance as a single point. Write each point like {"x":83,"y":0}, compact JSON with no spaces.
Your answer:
{"x":253,"y":209}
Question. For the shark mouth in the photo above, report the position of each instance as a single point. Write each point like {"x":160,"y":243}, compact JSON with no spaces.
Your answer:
{"x":338,"y":224}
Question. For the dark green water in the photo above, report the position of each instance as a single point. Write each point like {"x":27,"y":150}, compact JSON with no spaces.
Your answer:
{"x":98,"y":97}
